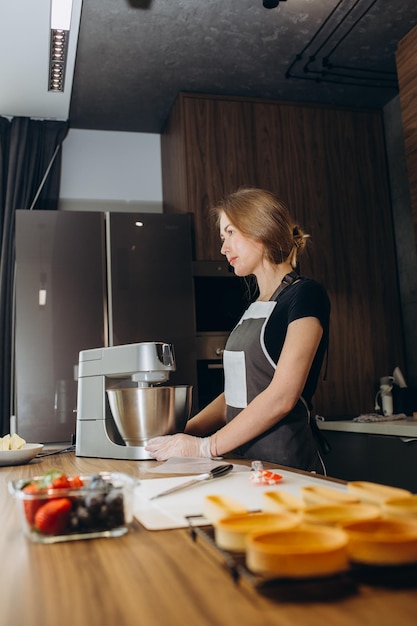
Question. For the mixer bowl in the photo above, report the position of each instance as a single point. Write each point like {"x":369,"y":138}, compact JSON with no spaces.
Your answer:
{"x":145,"y":412}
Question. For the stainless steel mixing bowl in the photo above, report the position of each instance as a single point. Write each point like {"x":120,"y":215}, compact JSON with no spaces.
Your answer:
{"x":145,"y":412}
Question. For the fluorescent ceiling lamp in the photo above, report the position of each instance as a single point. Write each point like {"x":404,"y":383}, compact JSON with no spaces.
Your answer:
{"x":60,"y":25}
{"x":24,"y":72}
{"x":61,"y":14}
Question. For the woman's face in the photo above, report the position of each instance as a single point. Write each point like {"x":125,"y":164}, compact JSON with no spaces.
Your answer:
{"x":244,"y":254}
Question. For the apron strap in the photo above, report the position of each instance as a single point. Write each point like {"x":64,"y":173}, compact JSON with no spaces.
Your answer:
{"x":286,"y":282}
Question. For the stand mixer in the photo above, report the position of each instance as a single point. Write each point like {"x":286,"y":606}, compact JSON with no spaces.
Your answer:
{"x":122,"y":402}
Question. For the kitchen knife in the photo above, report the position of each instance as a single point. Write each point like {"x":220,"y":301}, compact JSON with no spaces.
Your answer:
{"x":216,"y":472}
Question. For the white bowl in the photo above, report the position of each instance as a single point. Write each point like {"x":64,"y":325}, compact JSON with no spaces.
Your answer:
{"x":20,"y":457}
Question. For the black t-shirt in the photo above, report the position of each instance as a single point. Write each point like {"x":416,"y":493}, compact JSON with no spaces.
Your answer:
{"x":303,"y":298}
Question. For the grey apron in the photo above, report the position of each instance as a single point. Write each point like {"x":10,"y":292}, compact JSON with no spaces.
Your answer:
{"x":249,"y":369}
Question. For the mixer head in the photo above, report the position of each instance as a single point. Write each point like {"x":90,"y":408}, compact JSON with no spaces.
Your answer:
{"x":155,"y":362}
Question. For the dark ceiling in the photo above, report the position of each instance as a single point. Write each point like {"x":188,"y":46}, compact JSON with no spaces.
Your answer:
{"x":135,"y":56}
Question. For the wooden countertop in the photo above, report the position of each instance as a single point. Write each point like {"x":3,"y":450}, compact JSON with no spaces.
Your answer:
{"x":164,"y":578}
{"x":406,"y":428}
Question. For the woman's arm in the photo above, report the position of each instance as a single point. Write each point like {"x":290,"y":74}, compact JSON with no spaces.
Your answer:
{"x":270,"y":406}
{"x":281,"y":395}
{"x":209,"y":419}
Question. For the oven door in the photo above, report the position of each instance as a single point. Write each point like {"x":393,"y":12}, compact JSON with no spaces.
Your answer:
{"x":210,"y":374}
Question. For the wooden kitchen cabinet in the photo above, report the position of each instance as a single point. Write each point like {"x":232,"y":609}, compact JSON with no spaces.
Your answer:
{"x":328,"y":164}
{"x":407,"y":78}
{"x":206,"y":151}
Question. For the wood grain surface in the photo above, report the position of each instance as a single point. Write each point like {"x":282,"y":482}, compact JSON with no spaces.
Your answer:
{"x":406,"y":58}
{"x":163,"y":578}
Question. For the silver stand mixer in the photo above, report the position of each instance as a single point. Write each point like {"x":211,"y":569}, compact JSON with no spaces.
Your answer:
{"x":122,"y":402}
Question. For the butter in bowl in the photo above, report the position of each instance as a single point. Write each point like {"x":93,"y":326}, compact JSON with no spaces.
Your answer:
{"x":55,"y":507}
{"x":15,"y":451}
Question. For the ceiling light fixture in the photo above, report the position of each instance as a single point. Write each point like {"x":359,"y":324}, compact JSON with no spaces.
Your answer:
{"x":61,"y":11}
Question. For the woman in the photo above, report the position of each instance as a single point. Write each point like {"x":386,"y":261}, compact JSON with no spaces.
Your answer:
{"x":273,"y":357}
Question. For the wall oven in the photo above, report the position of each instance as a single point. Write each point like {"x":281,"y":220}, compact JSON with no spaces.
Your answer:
{"x":220,"y":299}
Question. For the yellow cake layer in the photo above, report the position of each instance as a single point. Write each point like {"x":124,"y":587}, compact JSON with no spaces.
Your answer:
{"x":277,"y":501}
{"x":374,"y":492}
{"x":383,"y":541}
{"x":305,"y":551}
{"x":215,"y":507}
{"x":231,"y":532}
{"x":316,"y":494}
{"x":400,"y":507}
{"x":340,"y":513}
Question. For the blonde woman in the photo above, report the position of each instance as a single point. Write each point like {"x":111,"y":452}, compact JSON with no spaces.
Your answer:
{"x":273,"y":356}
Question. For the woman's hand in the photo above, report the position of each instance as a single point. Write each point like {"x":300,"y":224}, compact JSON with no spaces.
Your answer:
{"x":168,"y":446}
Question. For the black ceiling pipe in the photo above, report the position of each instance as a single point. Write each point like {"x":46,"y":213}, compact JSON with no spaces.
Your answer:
{"x":270,"y":4}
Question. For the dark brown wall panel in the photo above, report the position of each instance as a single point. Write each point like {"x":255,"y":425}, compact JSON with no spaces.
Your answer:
{"x":328,"y":165}
{"x":219,"y":147}
{"x":407,"y":79}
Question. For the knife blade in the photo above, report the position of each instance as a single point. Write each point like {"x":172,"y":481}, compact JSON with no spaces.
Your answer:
{"x":216,"y":472}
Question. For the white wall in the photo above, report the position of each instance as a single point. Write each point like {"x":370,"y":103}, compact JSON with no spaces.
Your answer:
{"x":111,"y":171}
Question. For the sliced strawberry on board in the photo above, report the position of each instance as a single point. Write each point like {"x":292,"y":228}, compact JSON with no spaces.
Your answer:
{"x":265,"y":477}
{"x":52,"y":518}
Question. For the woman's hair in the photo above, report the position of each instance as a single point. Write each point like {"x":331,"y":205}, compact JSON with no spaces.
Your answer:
{"x":259,"y":215}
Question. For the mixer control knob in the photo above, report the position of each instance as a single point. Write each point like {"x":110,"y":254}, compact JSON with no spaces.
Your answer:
{"x":168,"y":355}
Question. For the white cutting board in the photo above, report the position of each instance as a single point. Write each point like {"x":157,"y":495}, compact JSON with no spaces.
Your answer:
{"x":171,"y":511}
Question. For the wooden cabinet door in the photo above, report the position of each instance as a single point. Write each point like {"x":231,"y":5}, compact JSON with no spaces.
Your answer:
{"x":219,"y":148}
{"x":216,"y":141}
{"x":329,"y":166}
{"x":407,"y":78}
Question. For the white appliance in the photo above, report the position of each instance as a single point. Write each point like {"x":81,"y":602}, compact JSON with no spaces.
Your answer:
{"x":122,"y":401}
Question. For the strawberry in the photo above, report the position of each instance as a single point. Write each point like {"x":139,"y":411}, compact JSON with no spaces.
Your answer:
{"x":31,"y":505}
{"x":51,"y":518}
{"x":76,"y":482}
{"x":61,"y":482}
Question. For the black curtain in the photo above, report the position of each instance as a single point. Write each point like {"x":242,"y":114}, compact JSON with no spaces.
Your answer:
{"x":30,"y":167}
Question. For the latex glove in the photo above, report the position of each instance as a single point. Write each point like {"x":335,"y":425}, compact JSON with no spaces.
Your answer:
{"x":168,"y":446}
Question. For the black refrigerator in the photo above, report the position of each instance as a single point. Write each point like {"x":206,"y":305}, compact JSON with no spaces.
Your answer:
{"x":91,"y":279}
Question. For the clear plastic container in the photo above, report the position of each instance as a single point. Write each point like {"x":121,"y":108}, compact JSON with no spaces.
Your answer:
{"x":101,"y":507}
